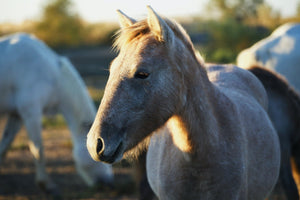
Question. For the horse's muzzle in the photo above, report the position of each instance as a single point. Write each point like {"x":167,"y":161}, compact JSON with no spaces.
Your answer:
{"x":110,"y":157}
{"x":99,"y":151}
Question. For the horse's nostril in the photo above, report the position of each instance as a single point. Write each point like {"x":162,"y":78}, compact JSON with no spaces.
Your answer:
{"x":100,"y":145}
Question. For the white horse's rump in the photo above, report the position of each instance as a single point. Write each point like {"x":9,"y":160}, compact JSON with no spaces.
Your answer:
{"x":35,"y":80}
{"x":279,"y":52}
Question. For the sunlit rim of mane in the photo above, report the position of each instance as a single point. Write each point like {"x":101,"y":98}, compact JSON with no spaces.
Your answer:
{"x":141,"y":28}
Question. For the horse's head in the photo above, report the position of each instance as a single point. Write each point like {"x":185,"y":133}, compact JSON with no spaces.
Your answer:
{"x":145,"y":86}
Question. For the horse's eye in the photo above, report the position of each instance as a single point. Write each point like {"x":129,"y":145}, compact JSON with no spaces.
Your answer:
{"x":141,"y":75}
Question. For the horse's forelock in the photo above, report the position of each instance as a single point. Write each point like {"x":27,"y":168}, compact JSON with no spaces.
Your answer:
{"x":182,"y":54}
{"x":141,"y":30}
{"x":126,"y":35}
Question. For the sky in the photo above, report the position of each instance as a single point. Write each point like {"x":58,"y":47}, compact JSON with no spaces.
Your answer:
{"x":16,"y":11}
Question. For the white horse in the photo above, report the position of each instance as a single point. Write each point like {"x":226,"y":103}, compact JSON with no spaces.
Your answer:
{"x":280,"y":52}
{"x":210,"y":136}
{"x":34,"y":80}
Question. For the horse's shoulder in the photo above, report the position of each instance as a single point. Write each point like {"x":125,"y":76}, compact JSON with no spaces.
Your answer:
{"x":235,"y":81}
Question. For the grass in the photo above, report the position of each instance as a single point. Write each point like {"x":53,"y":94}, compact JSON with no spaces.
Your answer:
{"x":56,"y":121}
{"x":19,"y":146}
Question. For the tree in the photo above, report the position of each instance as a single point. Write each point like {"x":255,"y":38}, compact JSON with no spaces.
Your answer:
{"x":60,"y":25}
{"x":267,"y":17}
{"x":236,"y":9}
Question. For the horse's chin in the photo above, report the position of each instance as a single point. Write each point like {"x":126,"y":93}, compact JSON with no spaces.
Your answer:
{"x":111,"y":160}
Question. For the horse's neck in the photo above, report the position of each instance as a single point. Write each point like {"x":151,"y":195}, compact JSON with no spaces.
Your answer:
{"x":76,"y":108}
{"x":194,"y":128}
{"x":74,"y":119}
{"x":69,"y":113}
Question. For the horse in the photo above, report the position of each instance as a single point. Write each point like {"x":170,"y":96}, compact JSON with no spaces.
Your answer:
{"x":206,"y":127}
{"x":279,"y":52}
{"x":284,"y":111}
{"x":34,"y":81}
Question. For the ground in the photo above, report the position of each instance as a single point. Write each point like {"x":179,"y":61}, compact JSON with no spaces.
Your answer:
{"x":17,"y":172}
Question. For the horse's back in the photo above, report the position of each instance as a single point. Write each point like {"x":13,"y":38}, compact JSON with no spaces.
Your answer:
{"x":288,"y":28}
{"x":25,"y":51}
{"x":233,"y":81}
{"x":28,"y":70}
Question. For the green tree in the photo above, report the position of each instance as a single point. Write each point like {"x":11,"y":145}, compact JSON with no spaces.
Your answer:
{"x":60,"y":25}
{"x":236,"y":9}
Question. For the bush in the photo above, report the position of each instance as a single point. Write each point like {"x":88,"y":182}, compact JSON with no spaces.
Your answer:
{"x":226,"y":38}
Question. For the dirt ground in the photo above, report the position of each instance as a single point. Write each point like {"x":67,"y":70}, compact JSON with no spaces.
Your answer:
{"x":17,"y":173}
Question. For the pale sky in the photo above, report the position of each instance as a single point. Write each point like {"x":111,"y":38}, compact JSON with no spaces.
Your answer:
{"x":16,"y":11}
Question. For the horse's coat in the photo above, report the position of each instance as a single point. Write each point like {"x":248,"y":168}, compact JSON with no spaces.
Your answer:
{"x":279,"y":52}
{"x":210,"y":136}
{"x":34,"y":80}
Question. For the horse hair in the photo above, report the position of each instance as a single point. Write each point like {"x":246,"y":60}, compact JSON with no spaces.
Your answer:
{"x":278,"y":83}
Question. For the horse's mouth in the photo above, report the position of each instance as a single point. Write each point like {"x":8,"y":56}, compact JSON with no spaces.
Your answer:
{"x":116,"y":156}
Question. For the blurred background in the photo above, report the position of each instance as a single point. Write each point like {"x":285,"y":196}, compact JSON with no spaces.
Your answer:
{"x":83,"y":30}
{"x":219,"y":28}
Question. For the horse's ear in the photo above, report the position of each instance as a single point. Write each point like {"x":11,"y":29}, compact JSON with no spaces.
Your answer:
{"x":159,"y":27}
{"x":124,"y":20}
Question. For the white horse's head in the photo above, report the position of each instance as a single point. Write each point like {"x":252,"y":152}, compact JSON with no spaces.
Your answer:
{"x":79,"y":112}
{"x":141,"y":93}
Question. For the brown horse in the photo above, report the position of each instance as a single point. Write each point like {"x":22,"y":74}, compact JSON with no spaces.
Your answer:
{"x":210,"y":136}
{"x":284,"y":111}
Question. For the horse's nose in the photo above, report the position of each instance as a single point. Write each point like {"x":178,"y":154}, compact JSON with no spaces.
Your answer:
{"x":100,"y":146}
